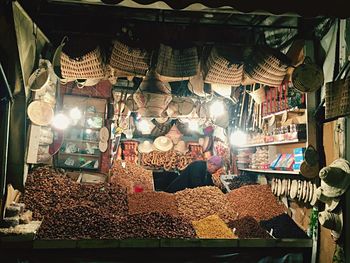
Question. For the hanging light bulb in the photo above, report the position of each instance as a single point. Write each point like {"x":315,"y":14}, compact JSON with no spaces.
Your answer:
{"x":217,"y":109}
{"x":75,"y":113}
{"x":60,"y":121}
{"x":193,"y":125}
{"x":238,"y":138}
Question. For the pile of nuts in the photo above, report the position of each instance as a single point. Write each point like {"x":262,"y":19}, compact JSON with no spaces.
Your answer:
{"x":248,"y":227}
{"x":155,"y":225}
{"x":168,"y":161}
{"x":256,"y":201}
{"x":47,"y":192}
{"x":212,"y":227}
{"x":131,"y":175}
{"x":200,"y":202}
{"x":146,"y":202}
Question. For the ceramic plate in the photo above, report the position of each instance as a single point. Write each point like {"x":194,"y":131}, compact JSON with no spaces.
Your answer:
{"x":103,"y":146}
{"x":311,"y":191}
{"x":304,"y":190}
{"x":293,"y":189}
{"x":288,"y":187}
{"x":279,"y":190}
{"x":283,"y":187}
{"x":307,"y":192}
{"x":314,"y":196}
{"x":104,"y":134}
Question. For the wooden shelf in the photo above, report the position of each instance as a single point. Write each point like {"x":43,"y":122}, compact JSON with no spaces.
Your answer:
{"x":269,"y":171}
{"x":293,"y":110}
{"x":81,"y":154}
{"x":77,"y":140}
{"x":272,"y":143}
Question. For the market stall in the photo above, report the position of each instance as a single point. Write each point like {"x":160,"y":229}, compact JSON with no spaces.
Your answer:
{"x":113,"y":126}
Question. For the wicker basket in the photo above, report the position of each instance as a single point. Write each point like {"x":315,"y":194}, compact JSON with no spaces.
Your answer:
{"x":337,"y":98}
{"x":89,"y":66}
{"x":129,"y":60}
{"x":266,"y":66}
{"x":177,"y":63}
{"x":220,"y":68}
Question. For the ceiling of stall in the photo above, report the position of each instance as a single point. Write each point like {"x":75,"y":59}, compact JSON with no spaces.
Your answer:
{"x":200,"y":21}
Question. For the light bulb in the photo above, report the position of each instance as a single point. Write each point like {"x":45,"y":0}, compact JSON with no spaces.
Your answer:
{"x":238,"y":138}
{"x":144,"y":126}
{"x":217,"y":109}
{"x":193,"y":125}
{"x":60,"y":121}
{"x":88,"y":131}
{"x":75,"y":113}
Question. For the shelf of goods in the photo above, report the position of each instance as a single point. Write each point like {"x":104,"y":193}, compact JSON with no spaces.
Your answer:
{"x":269,"y":171}
{"x":279,"y":113}
{"x":80,"y":147}
{"x":272,"y":143}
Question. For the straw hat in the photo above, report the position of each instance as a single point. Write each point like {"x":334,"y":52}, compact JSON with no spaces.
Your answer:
{"x":40,"y":113}
{"x":330,"y":202}
{"x":174,"y":134}
{"x":221,"y":89}
{"x":335,"y":179}
{"x":152,"y":96}
{"x":163,"y":143}
{"x":331,"y":221}
{"x":181,"y":147}
{"x":180,"y":106}
{"x":196,"y":84}
{"x":146,"y":147}
{"x":308,"y":77}
{"x":131,"y":104}
{"x":162,"y":120}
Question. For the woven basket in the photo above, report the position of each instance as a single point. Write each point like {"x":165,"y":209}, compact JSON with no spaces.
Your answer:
{"x":337,"y":98}
{"x":89,"y":66}
{"x":129,"y":60}
{"x":221,"y":70}
{"x":177,"y":63}
{"x":266,"y":66}
{"x":260,"y":78}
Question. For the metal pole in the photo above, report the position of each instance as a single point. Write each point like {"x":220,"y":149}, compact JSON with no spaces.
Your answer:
{"x":7,"y":114}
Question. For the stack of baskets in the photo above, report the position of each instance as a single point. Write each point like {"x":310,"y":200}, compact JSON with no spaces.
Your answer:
{"x":129,"y":61}
{"x":177,"y":63}
{"x":223,"y":66}
{"x":266,"y":66}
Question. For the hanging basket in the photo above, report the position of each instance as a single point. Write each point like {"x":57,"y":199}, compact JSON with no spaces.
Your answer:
{"x":177,"y":63}
{"x":129,"y":61}
{"x":222,"y":68}
{"x":89,"y":66}
{"x":266,"y":66}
